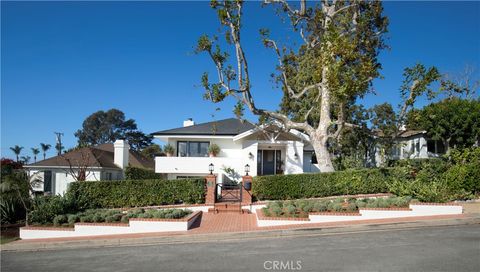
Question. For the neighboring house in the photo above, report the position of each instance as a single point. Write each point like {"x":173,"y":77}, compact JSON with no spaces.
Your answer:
{"x":267,"y":150}
{"x":102,"y":162}
{"x":409,"y":144}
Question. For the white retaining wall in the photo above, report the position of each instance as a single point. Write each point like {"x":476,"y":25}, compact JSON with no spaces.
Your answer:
{"x":367,"y":214}
{"x":135,"y":226}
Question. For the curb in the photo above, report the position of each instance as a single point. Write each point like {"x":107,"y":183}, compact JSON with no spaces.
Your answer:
{"x":232,"y":236}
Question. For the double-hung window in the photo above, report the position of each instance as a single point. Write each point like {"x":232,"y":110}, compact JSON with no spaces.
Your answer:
{"x":192,"y":149}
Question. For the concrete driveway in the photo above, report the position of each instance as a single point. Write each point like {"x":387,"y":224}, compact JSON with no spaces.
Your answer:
{"x":447,"y":248}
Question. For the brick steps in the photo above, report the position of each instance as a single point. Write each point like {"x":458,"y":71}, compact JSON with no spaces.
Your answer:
{"x":228,"y":207}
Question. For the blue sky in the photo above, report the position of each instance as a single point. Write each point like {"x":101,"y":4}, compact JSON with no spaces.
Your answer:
{"x":62,"y":61}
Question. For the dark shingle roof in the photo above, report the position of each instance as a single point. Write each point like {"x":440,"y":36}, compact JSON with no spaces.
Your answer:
{"x":95,"y":156}
{"x":226,"y":127}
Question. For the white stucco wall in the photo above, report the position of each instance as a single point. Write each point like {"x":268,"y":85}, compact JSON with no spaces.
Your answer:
{"x":294,"y":158}
{"x":61,"y":178}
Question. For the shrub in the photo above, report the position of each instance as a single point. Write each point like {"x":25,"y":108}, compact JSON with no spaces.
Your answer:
{"x":365,"y":181}
{"x":46,"y":208}
{"x":290,"y":209}
{"x":320,"y":206}
{"x":337,"y":207}
{"x":98,"y":218}
{"x":214,"y":149}
{"x":361,"y":203}
{"x":60,"y":219}
{"x":464,"y":176}
{"x":124,"y":219}
{"x":266,"y":212}
{"x":132,"y":193}
{"x":110,"y":219}
{"x":73,"y":218}
{"x":276,"y":210}
{"x":86,"y":218}
{"x":352,"y":207}
{"x":136,"y":173}
{"x":169,"y":149}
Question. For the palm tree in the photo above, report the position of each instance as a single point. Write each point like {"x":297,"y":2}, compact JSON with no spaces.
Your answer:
{"x":25,"y":159}
{"x":17,"y":150}
{"x":45,"y":148}
{"x":35,"y":152}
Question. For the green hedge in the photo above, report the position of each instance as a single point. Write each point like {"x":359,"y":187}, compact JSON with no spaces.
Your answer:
{"x":135,"y":193}
{"x":136,"y":173}
{"x":365,"y":181}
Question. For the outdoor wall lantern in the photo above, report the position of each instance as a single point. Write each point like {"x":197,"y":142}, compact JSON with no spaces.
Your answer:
{"x":295,"y":156}
{"x":247,"y":169}
{"x":250,"y":155}
{"x":210,"y":168}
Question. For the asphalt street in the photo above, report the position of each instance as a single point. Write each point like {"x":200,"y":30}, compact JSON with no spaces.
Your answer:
{"x":452,"y":248}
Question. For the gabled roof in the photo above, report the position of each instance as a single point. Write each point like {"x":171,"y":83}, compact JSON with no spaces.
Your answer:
{"x":226,"y":127}
{"x":95,"y":156}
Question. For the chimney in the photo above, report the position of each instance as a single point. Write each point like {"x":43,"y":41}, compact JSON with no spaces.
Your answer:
{"x":188,"y":122}
{"x":121,"y":152}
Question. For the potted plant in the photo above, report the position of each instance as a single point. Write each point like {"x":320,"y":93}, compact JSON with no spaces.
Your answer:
{"x":213,"y":150}
{"x":169,"y":150}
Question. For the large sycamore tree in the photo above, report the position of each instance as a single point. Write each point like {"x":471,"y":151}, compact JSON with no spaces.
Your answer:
{"x":334,"y":65}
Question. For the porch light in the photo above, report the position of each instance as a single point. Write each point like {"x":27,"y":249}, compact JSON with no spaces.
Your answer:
{"x":210,"y":168}
{"x":247,"y":169}
{"x":295,"y":156}
{"x":250,"y":155}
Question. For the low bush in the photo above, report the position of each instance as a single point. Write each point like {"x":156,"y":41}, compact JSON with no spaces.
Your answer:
{"x":114,"y":216}
{"x":46,"y":208}
{"x":301,"y":208}
{"x":134,"y":193}
{"x":73,"y":218}
{"x":60,"y":220}
{"x":136,"y":173}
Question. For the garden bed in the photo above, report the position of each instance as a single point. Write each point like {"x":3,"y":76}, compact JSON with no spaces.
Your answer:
{"x":341,"y":209}
{"x":141,"y":222}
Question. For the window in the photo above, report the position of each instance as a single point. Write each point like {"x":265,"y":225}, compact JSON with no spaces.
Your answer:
{"x":47,"y":182}
{"x":313,"y":160}
{"x":436,"y":147}
{"x":108,"y":176}
{"x":431,"y":146}
{"x":192,"y":149}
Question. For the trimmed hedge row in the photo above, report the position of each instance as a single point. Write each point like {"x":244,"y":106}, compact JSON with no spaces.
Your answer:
{"x":136,"y":173}
{"x":365,"y":181}
{"x":135,"y":193}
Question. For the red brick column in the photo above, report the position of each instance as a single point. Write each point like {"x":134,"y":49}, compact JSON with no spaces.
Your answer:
{"x":211,"y":183}
{"x":246,"y":195}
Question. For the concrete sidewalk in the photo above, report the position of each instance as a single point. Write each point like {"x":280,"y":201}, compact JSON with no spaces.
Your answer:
{"x":291,"y":231}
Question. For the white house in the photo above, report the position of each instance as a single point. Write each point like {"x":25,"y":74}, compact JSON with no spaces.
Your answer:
{"x":410,"y":144}
{"x":102,"y":162}
{"x":267,"y":151}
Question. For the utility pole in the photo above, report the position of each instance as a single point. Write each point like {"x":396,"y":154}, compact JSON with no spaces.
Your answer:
{"x":59,"y":146}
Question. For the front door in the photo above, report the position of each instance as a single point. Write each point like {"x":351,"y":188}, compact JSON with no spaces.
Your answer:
{"x":269,"y":162}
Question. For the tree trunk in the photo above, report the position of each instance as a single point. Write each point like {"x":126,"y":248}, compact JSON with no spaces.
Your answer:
{"x":322,"y":154}
{"x":320,"y":137}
